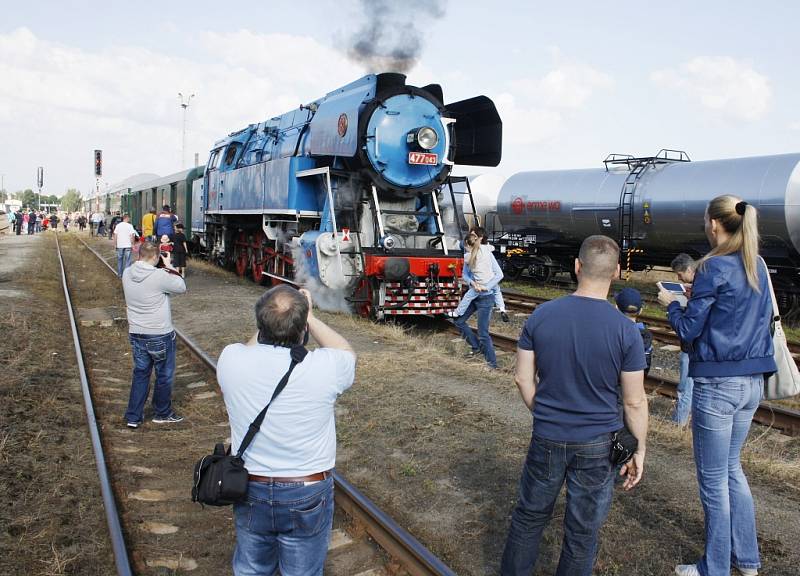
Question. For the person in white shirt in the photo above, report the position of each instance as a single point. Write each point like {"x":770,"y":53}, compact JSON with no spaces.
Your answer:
{"x":124,"y":237}
{"x":287,"y":517}
{"x":94,"y":222}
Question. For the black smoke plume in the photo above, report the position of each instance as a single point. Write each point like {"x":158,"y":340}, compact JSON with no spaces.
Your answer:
{"x":391,"y":38}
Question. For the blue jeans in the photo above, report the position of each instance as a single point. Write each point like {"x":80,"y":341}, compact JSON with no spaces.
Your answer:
{"x":587,"y":468}
{"x":151,"y":351}
{"x":483,"y":306}
{"x":283,"y":525}
{"x":722,"y":409}
{"x":683,"y":407}
{"x":123,"y":260}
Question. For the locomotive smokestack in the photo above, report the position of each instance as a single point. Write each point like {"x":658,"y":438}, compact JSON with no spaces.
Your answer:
{"x":391,"y":39}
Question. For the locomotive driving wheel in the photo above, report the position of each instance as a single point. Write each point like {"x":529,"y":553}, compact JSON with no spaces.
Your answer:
{"x":366,"y":299}
{"x":240,"y":256}
{"x":260,"y":258}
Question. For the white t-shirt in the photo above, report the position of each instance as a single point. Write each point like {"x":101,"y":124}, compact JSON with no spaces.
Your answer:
{"x":298,"y":436}
{"x":123,"y":231}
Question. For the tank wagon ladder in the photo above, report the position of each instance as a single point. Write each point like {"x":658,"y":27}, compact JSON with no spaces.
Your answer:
{"x":627,"y":200}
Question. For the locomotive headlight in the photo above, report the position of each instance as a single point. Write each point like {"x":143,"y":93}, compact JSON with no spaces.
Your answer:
{"x":427,"y":138}
{"x":388,"y":242}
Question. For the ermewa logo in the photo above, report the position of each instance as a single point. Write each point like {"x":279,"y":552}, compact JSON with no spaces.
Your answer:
{"x":518,"y":206}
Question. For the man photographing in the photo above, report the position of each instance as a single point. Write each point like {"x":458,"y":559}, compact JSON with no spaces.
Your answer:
{"x":147,"y":292}
{"x":285,"y":522}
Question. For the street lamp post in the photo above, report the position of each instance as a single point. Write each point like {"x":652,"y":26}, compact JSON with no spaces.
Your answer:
{"x":184,"y":105}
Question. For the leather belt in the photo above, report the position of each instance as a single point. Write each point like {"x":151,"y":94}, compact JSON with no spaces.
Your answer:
{"x":310,"y":478}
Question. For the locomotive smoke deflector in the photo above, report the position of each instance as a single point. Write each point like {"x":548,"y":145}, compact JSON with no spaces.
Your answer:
{"x":478,"y":132}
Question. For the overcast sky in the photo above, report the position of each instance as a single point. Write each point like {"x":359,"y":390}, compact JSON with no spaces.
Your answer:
{"x":573,"y":80}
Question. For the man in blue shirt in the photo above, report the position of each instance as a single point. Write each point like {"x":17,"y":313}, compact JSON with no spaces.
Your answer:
{"x":574,"y":355}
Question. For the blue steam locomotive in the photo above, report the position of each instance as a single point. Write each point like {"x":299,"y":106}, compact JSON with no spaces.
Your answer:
{"x":353,"y":194}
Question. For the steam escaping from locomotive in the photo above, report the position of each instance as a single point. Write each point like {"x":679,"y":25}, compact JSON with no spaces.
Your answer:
{"x":391,"y":38}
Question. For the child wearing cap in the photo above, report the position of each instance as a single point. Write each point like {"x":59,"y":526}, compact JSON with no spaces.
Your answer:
{"x":629,"y":302}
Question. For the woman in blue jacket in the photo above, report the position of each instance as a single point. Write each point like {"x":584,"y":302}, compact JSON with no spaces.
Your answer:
{"x":727,"y":323}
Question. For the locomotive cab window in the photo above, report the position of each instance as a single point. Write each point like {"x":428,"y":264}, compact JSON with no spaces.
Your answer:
{"x":213,"y":162}
{"x":230,"y":153}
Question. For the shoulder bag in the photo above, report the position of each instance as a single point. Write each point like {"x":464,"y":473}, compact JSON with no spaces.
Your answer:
{"x":785,"y":382}
{"x":220,"y":479}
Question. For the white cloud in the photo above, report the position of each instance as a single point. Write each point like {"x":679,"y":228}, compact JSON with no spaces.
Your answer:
{"x":724,"y":85}
{"x":537,"y":109}
{"x":58,"y":103}
{"x":794,"y":125}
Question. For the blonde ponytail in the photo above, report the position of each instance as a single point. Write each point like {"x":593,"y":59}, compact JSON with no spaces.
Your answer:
{"x":740,"y":220}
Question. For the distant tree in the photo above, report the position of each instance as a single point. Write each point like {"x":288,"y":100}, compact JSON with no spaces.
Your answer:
{"x":27,"y":197}
{"x":3,"y":195}
{"x":71,"y":201}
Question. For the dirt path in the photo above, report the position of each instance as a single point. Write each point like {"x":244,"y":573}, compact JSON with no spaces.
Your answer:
{"x":439,"y":442}
{"x":51,"y":514}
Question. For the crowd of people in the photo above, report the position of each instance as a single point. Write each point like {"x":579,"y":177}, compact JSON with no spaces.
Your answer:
{"x":580,"y":369}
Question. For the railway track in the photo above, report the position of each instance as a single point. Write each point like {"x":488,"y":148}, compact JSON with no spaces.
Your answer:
{"x":414,"y":558}
{"x":767,"y":414}
{"x":660,"y":327}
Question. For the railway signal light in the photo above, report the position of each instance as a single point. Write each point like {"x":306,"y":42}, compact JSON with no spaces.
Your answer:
{"x":98,"y":163}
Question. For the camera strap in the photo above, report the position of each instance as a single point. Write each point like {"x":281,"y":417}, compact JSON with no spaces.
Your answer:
{"x":298,"y":354}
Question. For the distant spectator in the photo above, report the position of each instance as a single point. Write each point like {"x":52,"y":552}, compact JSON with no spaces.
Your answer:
{"x":683,"y":266}
{"x":116,"y":219}
{"x":54,"y":221}
{"x":179,"y":249}
{"x":124,"y":237}
{"x":149,"y":225}
{"x":19,"y":220}
{"x":152,"y":336}
{"x":39,"y":219}
{"x":82,"y":222}
{"x":101,"y":227}
{"x":575,"y":354}
{"x":67,"y":221}
{"x":727,"y":322}
{"x":31,"y":222}
{"x":286,"y":521}
{"x":629,"y":302}
{"x":165,"y":223}
{"x":94,"y":223}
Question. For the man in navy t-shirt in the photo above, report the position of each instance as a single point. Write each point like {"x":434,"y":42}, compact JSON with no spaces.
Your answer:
{"x":576,"y":355}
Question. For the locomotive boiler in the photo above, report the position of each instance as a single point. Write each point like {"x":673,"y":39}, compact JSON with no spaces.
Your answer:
{"x":353,"y":193}
{"x":652,"y":206}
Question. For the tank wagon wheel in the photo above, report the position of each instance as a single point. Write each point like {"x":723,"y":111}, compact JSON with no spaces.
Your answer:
{"x":540,"y":273}
{"x":240,"y":257}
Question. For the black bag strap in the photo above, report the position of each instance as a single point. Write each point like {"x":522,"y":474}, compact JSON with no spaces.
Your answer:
{"x":298,"y":354}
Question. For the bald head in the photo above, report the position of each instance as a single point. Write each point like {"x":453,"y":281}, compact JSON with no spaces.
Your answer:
{"x":281,"y":316}
{"x":599,"y":256}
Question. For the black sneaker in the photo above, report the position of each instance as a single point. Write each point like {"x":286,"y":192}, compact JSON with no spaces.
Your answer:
{"x":504,"y":316}
{"x":134,"y":424}
{"x":171,"y":419}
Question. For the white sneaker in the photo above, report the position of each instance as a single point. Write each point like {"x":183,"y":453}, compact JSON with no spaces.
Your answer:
{"x":748,"y":571}
{"x":686,"y":570}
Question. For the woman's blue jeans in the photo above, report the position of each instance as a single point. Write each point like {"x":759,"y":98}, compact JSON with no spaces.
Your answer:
{"x":722,"y":409}
{"x":483,"y":306}
{"x":283,"y":525}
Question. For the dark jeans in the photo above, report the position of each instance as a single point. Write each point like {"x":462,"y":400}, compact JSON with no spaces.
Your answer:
{"x":587,"y":468}
{"x":151,"y":351}
{"x":483,"y":306}
{"x":283,"y":525}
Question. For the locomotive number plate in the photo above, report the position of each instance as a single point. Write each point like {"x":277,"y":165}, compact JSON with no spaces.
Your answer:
{"x":425,"y":158}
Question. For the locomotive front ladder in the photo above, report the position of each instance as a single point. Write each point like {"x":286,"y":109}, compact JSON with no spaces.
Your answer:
{"x":459,"y":207}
